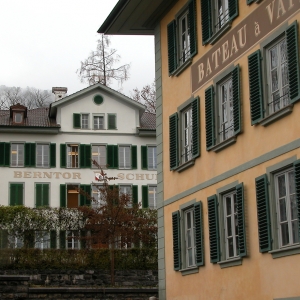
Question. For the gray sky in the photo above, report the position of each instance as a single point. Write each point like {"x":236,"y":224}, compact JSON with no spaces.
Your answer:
{"x":43,"y":41}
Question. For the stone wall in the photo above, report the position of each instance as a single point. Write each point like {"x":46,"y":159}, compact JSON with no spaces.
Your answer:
{"x":20,"y":287}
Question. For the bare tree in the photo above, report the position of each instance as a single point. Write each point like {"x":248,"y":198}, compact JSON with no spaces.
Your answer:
{"x":38,"y":98}
{"x":146,"y":96}
{"x":99,"y":67}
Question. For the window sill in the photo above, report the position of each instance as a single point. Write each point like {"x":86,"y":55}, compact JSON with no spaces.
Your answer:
{"x":219,"y":33}
{"x":277,"y":115}
{"x":182,"y":67}
{"x":224,"y":144}
{"x":237,"y":261}
{"x":185,"y":166}
{"x":285,"y":251}
{"x":188,"y":271}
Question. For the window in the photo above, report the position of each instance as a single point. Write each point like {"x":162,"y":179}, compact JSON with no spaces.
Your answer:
{"x":98,"y":122}
{"x":72,"y":239}
{"x":42,"y":194}
{"x":223,"y":124}
{"x":275,"y":67}
{"x":85,"y":121}
{"x":149,"y":196}
{"x":226,"y":220}
{"x":148,"y":155}
{"x":42,"y":240}
{"x":17,"y":155}
{"x":188,"y":149}
{"x":126,"y":190}
{"x":42,"y":155}
{"x":72,"y":156}
{"x":96,"y":193}
{"x":278,"y":210}
{"x":216,"y":18}
{"x":70,"y":197}
{"x":188,"y":251}
{"x":112,"y":121}
{"x":99,"y":155}
{"x":124,"y":157}
{"x":18,"y":117}
{"x":16,"y":195}
{"x":182,"y":38}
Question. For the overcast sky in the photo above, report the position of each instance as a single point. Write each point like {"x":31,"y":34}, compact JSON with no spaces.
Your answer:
{"x":43,"y":41}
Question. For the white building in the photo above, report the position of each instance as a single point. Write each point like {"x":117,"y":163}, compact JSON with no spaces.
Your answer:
{"x":46,"y":152}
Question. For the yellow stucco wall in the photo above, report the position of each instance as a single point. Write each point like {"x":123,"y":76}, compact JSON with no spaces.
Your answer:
{"x":260,"y":276}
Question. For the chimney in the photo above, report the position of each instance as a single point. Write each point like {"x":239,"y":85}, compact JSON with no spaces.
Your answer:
{"x":59,"y":92}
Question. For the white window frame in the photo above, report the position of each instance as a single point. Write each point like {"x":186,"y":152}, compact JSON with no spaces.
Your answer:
{"x":282,"y":83}
{"x":152,"y":198}
{"x":42,"y":239}
{"x":225,"y":109}
{"x":230,"y":219}
{"x":72,"y":242}
{"x":189,"y":236}
{"x":42,"y":158}
{"x":184,"y":38}
{"x":124,"y":153}
{"x":97,"y":125}
{"x":221,"y":14}
{"x":18,"y":117}
{"x":71,"y":152}
{"x":17,"y":155}
{"x":187,"y":134}
{"x":152,"y":157}
{"x":15,"y":242}
{"x":290,"y":195}
{"x":126,"y":189}
{"x":84,"y":121}
{"x":96,"y":193}
{"x":99,"y":155}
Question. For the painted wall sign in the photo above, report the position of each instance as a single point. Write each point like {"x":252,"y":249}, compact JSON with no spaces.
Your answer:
{"x":245,"y":35}
{"x":49,"y":175}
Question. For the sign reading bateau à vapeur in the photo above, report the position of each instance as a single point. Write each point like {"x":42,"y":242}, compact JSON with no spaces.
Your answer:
{"x":77,"y":175}
{"x":249,"y":32}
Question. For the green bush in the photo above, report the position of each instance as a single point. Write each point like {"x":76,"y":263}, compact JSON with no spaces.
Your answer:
{"x":125,"y":259}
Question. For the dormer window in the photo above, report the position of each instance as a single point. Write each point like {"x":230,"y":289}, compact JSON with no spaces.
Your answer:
{"x":18,"y":117}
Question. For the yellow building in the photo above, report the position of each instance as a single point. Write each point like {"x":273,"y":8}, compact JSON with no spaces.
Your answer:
{"x":228,"y":91}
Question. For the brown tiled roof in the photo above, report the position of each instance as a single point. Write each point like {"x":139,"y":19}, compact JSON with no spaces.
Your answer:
{"x":148,"y":121}
{"x":37,"y":117}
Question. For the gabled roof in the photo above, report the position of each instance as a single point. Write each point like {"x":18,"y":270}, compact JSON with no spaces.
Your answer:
{"x":37,"y":117}
{"x":148,"y":121}
{"x":96,"y":87}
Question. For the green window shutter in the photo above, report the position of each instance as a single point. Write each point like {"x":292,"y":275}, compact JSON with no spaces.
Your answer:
{"x":30,"y":154}
{"x":29,"y":238}
{"x":199,"y":234}
{"x":213,"y":227}
{"x":196,"y":127}
{"x":53,"y":239}
{"x":173,"y":121}
{"x":112,"y":156}
{"x":135,"y":197}
{"x":112,"y":124}
{"x":38,"y":195}
{"x":145,"y":202}
{"x":263,"y":214}
{"x":172,"y":46}
{"x":240,"y":208}
{"x":210,"y":117}
{"x":85,"y":156}
{"x":52,"y":155}
{"x":133,"y":157}
{"x":46,"y":194}
{"x":82,"y":239}
{"x":83,"y":199}
{"x":293,"y":61}
{"x":176,"y":240}
{"x":193,"y":27}
{"x":88,"y":189}
{"x":16,"y":194}
{"x":62,"y":239}
{"x":233,"y":6}
{"x":236,"y":98}
{"x":250,"y":1}
{"x":144,"y":156}
{"x":255,"y":87}
{"x":206,"y":20}
{"x":63,"y":155}
{"x":3,"y":239}
{"x":63,"y":195}
{"x":297,"y":186}
{"x":7,"y":155}
{"x":76,"y":121}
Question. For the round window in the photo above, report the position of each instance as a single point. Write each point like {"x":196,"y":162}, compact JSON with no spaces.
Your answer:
{"x":98,"y":99}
